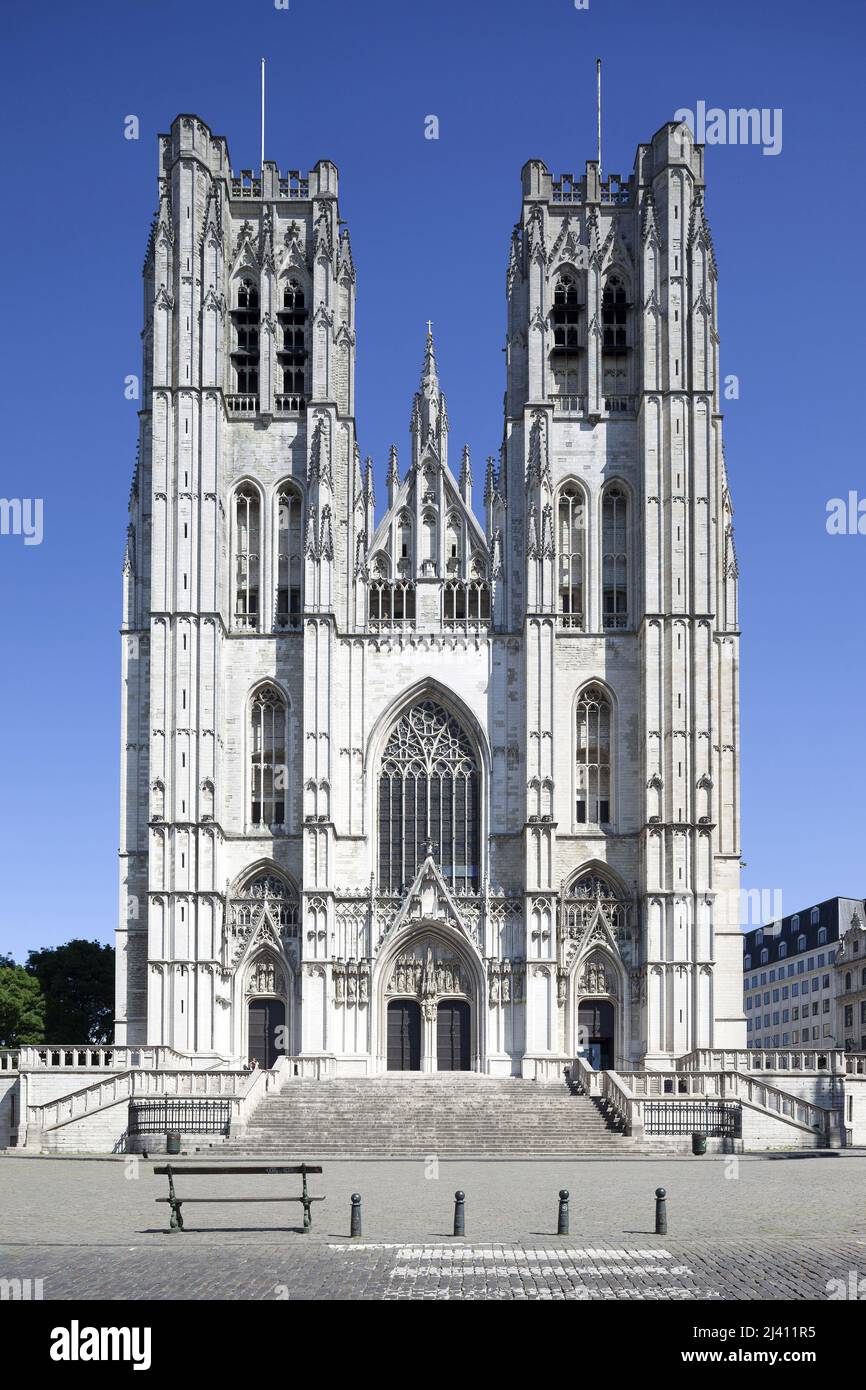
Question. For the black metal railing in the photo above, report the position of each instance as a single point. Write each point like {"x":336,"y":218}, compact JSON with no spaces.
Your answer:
{"x":715,"y":1118}
{"x":187,"y":1116}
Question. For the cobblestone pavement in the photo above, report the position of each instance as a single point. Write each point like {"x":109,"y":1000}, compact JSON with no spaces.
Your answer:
{"x":768,"y":1228}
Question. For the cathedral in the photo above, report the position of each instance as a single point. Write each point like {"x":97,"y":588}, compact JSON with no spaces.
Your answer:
{"x":425,"y":787}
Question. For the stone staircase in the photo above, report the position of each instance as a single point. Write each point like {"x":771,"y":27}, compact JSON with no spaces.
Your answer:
{"x":412,"y":1116}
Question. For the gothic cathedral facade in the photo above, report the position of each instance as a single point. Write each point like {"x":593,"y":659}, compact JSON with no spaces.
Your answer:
{"x":413,"y":791}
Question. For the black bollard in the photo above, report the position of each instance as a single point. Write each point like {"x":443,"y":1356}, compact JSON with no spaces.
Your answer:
{"x":459,"y":1214}
{"x":562,"y":1223}
{"x":355,"y":1226}
{"x":661,"y":1212}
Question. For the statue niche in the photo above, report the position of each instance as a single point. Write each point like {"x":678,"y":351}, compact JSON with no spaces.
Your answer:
{"x":426,"y":971}
{"x":265,"y":978}
{"x":597,"y":976}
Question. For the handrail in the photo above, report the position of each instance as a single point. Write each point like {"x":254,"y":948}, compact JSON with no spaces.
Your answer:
{"x":84,"y":1057}
{"x":805,"y":1059}
{"x":108,"y":1090}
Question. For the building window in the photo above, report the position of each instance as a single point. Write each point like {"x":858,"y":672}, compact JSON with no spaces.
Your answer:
{"x":593,"y":757}
{"x":289,"y":559}
{"x":783,"y":949}
{"x":245,"y":347}
{"x":291,"y":347}
{"x":614,"y":308}
{"x":268,"y":757}
{"x":465,"y":603}
{"x":614,"y":558}
{"x":814,"y":916}
{"x":822,"y":936}
{"x":391,"y":605}
{"x":614,"y":318}
{"x":429,"y":792}
{"x":572,"y":547}
{"x":565,"y":314}
{"x":565,"y":352}
{"x":847,"y":980}
{"x":247,"y":567}
{"x":765,"y":956}
{"x":747,"y":963}
{"x":801,"y":944}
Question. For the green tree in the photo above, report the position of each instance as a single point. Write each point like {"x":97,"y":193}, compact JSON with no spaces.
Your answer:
{"x":78,"y":984}
{"x":22,"y":1007}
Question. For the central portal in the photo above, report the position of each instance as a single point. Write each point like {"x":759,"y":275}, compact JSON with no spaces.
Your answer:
{"x":429,"y":999}
{"x":452,"y":1036}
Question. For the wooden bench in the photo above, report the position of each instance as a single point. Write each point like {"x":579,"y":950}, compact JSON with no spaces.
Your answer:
{"x":212,"y":1169}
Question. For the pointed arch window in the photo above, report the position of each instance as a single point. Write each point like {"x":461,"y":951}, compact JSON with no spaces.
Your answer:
{"x":247,"y":565}
{"x":589,"y":898}
{"x":565,"y":351}
{"x":614,"y":311}
{"x":614,"y":327}
{"x":594,"y":719}
{"x":268,"y":769}
{"x":571,"y":547}
{"x":245,"y":347}
{"x":289,"y":559}
{"x":429,"y":791}
{"x":266,"y":894}
{"x":405,"y":556}
{"x":292,"y":347}
{"x":614,"y":558}
{"x":453,"y":544}
{"x":565,"y":314}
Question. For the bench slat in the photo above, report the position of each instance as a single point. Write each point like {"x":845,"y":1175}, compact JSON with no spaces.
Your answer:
{"x":186,"y":1200}
{"x":194,"y":1168}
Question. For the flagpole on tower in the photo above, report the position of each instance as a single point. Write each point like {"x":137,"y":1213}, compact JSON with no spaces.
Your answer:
{"x":598,"y":111}
{"x":263,"y":118}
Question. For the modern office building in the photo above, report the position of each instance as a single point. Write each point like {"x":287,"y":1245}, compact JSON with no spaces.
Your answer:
{"x":790,"y":980}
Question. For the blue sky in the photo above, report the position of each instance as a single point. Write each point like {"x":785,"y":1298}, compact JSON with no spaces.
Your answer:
{"x":430,"y":223}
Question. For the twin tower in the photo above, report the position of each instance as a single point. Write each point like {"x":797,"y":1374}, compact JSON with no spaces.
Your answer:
{"x":413,"y":790}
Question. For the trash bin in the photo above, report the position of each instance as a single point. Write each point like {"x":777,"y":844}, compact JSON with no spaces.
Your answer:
{"x":172,"y":1141}
{"x":699,"y":1143}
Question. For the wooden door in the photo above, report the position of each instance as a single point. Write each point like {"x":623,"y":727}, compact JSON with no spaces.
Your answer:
{"x":404,"y":1035}
{"x":266,"y":1017}
{"x":595,"y":1018}
{"x":452,"y":1036}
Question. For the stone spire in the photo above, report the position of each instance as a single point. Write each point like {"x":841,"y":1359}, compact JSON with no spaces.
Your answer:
{"x":429,"y":426}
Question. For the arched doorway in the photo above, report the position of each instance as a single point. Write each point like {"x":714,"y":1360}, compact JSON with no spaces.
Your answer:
{"x":596,"y":1023}
{"x":453,"y":1030}
{"x":433,"y":972}
{"x":267,"y":1028}
{"x":404,"y":1035}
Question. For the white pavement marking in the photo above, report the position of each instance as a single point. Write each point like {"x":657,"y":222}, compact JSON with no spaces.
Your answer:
{"x":486,"y":1262}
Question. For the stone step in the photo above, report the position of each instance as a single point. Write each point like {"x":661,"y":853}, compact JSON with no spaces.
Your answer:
{"x":414,"y":1116}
